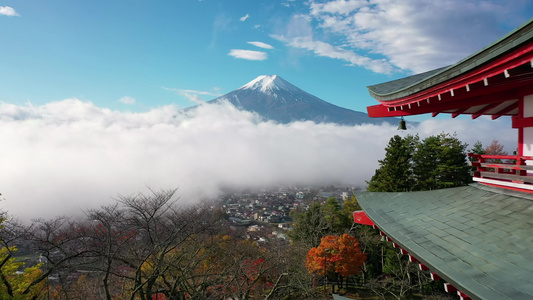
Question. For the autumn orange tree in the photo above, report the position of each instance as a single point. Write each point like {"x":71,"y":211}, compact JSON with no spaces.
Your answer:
{"x":336,"y":255}
{"x":495,"y":148}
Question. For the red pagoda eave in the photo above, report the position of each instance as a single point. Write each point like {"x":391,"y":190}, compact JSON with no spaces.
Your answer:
{"x":511,"y":71}
{"x":360,"y":217}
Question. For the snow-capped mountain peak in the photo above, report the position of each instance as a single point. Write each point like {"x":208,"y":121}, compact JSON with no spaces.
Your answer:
{"x":266,"y":83}
{"x":275,"y":99}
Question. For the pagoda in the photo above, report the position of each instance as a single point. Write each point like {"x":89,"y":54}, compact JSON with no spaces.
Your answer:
{"x":476,"y":238}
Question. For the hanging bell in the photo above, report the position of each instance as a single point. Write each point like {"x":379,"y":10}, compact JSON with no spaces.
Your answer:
{"x":402,"y":126}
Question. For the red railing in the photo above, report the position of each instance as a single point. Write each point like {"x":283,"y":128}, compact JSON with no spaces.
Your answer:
{"x":502,"y":167}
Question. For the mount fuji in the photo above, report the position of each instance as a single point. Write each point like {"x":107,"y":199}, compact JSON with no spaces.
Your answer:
{"x":273,"y":98}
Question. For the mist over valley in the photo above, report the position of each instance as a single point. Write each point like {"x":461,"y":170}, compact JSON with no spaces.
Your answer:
{"x":68,"y":156}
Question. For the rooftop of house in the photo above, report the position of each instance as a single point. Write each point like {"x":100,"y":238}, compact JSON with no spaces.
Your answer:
{"x":403,"y":87}
{"x":478,"y":238}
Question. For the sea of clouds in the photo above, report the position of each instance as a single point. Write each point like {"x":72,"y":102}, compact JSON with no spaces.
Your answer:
{"x":68,"y":156}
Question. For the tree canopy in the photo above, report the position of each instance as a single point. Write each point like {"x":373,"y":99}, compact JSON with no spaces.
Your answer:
{"x":495,"y":148}
{"x":395,"y":173}
{"x":336,"y":254}
{"x":17,"y":281}
{"x":414,"y":165}
{"x":321,"y":219}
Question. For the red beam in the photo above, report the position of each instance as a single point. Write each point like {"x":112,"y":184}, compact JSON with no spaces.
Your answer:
{"x":511,"y":157}
{"x":382,"y":111}
{"x":524,"y":122}
{"x":488,"y":97}
{"x":449,"y":288}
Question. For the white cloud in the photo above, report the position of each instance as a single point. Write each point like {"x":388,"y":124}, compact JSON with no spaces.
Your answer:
{"x":244,"y":18}
{"x":194,"y":92}
{"x":8,"y":11}
{"x":289,"y":3}
{"x":248,"y":54}
{"x":416,"y":35}
{"x":127,"y":100}
{"x":343,"y":7}
{"x":327,"y":50}
{"x":261,"y":45}
{"x":70,"y":155}
{"x":221,"y":24}
{"x":194,"y":95}
{"x":469,"y":131}
{"x":299,"y":34}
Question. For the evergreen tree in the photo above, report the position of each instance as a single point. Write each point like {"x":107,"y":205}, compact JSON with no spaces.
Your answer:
{"x":336,"y":219}
{"x":395,"y":171}
{"x":425,"y":164}
{"x":477,"y":149}
{"x":350,"y":205}
{"x":452,"y":167}
{"x":440,"y":162}
{"x":414,"y":165}
{"x":329,"y":218}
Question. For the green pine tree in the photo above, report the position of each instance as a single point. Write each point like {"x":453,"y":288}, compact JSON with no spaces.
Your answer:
{"x":413,"y":165}
{"x":395,"y":171}
{"x":425,"y":164}
{"x":321,"y":219}
{"x":452,"y":168}
{"x":477,"y":149}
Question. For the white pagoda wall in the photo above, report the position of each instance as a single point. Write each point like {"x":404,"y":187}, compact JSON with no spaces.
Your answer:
{"x":527,"y":147}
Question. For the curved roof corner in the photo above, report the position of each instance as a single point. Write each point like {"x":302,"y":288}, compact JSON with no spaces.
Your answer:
{"x":407,"y":86}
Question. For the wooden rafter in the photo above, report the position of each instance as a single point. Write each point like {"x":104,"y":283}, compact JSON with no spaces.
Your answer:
{"x":505,"y":110}
{"x":459,"y":111}
{"x":490,"y":96}
{"x":484,"y":110}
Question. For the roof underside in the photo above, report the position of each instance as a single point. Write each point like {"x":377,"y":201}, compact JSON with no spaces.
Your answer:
{"x":488,"y":82}
{"x":475,"y":237}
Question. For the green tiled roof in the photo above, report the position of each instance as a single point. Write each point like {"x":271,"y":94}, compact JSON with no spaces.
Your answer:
{"x":410,"y":85}
{"x":477,"y":238}
{"x":398,"y":84}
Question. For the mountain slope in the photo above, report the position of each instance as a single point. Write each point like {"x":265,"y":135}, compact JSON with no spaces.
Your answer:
{"x":275,"y":99}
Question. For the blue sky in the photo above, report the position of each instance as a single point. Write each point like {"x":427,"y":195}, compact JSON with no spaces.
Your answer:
{"x":91,"y":92}
{"x":155,"y":53}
